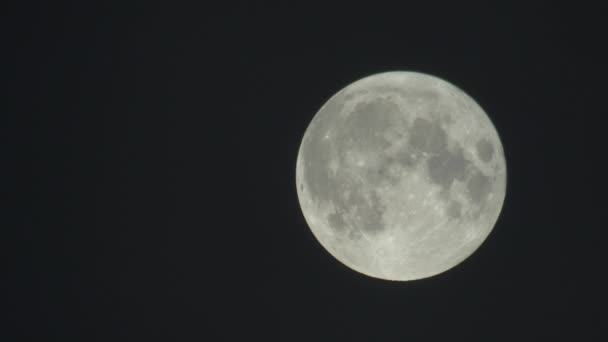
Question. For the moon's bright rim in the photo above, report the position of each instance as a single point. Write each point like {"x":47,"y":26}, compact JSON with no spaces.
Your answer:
{"x":401,"y":175}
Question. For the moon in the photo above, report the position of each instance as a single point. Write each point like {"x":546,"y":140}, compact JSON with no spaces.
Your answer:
{"x":401,"y":175}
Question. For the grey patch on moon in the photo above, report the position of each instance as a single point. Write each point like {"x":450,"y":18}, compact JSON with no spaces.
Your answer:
{"x":370,"y":214}
{"x":336,"y":221}
{"x":387,"y":170}
{"x":485,"y":150}
{"x":390,"y":179}
{"x":479,"y":187}
{"x":427,"y":136}
{"x":355,"y":235}
{"x":454,"y":209}
{"x":408,"y":159}
{"x":365,"y":125}
{"x":446,"y":167}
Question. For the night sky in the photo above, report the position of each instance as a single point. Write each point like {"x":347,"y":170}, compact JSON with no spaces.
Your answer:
{"x":148,"y":171}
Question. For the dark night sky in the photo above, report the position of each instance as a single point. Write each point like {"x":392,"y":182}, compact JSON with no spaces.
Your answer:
{"x":149,"y":156}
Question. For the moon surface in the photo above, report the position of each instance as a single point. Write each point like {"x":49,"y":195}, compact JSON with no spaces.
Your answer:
{"x":401,"y":175}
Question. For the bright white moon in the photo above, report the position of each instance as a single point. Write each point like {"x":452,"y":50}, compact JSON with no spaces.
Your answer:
{"x":401,"y":176}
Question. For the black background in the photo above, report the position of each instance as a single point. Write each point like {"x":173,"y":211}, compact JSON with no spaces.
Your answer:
{"x":149,"y":156}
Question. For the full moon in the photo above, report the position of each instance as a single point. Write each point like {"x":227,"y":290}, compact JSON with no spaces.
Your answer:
{"x":401,"y":175}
